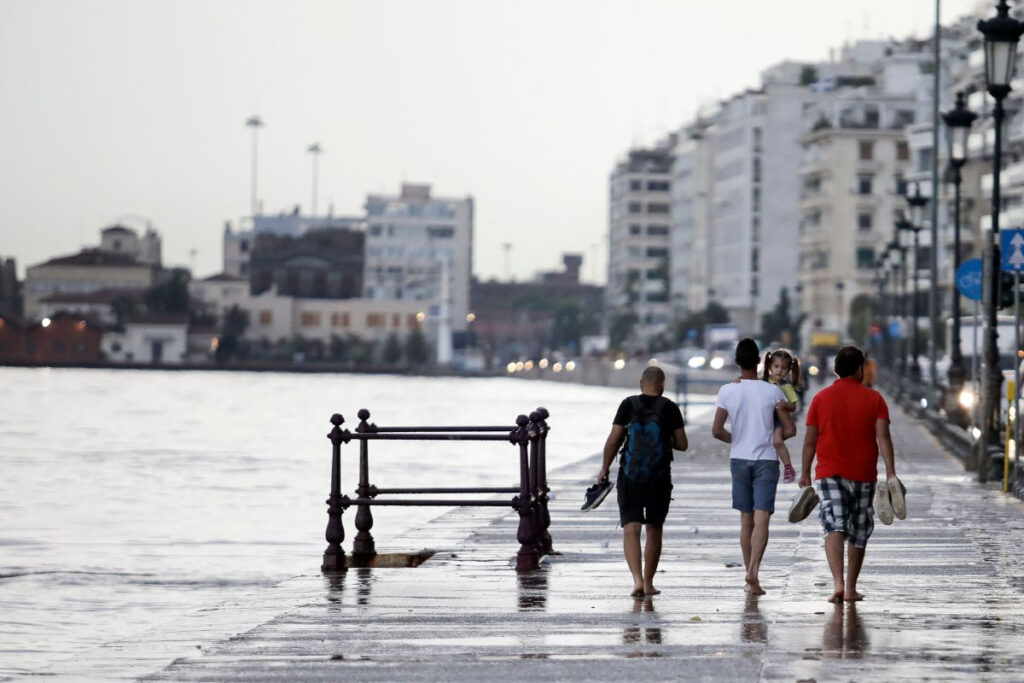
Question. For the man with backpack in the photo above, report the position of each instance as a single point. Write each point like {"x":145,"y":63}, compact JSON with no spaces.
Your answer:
{"x":751,"y":405}
{"x":647,"y":427}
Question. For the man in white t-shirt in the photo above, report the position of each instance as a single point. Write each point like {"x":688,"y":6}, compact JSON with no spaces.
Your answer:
{"x":750,"y":406}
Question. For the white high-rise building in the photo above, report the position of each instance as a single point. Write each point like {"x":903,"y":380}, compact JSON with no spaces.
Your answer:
{"x":639,"y":222}
{"x":409,"y":238}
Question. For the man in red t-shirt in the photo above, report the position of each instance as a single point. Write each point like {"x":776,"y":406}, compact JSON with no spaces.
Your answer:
{"x":847,"y":427}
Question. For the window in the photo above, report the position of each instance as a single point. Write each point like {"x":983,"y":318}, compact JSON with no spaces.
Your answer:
{"x":243,"y":246}
{"x":635,"y":229}
{"x":266,"y":318}
{"x":657,"y":208}
{"x":754,"y":260}
{"x":396,"y":320}
{"x":442,"y":231}
{"x":635,"y":207}
{"x":309,"y":319}
{"x":901,"y":184}
{"x":867,"y":150}
{"x":865,"y":257}
{"x":756,"y":199}
{"x":657,"y":186}
{"x":657,"y":252}
{"x":375,"y":230}
{"x":411,"y":322}
{"x":864,"y":183}
{"x":902,"y":150}
{"x":635,"y":185}
{"x":339,"y":319}
{"x":757,"y":169}
{"x":654,"y":274}
{"x":864,"y":221}
{"x":657,"y":229}
{"x":375,"y":320}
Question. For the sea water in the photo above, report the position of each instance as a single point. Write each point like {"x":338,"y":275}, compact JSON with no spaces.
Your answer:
{"x":130,"y":498}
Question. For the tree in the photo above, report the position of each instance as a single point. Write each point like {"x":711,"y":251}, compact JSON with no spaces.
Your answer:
{"x":229,"y":344}
{"x":417,"y":350}
{"x":171,"y":295}
{"x":713,"y":314}
{"x":392,"y":350}
{"x":621,"y":328}
{"x":779,"y":325}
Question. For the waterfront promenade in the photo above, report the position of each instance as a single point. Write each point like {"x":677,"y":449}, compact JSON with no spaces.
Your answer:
{"x":944,"y":597}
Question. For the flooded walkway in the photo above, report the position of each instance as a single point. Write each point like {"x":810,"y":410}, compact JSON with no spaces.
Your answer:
{"x":944,"y":597}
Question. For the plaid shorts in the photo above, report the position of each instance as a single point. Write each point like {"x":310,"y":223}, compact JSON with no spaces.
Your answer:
{"x":847,"y":507}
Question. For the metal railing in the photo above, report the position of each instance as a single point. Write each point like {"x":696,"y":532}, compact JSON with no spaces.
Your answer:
{"x":529,"y":435}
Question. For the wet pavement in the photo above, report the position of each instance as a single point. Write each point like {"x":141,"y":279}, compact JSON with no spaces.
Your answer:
{"x":944,"y":597}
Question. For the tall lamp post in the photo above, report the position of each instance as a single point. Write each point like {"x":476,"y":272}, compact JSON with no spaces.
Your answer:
{"x":892,"y":251}
{"x":315,"y":149}
{"x":903,"y":226}
{"x":1001,"y":32}
{"x":958,"y":130}
{"x":254,"y":122}
{"x":917,"y":204}
{"x":840,"y":285}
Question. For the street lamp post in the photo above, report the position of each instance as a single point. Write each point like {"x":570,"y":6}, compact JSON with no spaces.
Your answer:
{"x":892,"y":250}
{"x":254,"y":122}
{"x":958,"y":130}
{"x":909,"y":345}
{"x":917,"y":204}
{"x":840,"y":285}
{"x":315,"y":149}
{"x":1001,"y":32}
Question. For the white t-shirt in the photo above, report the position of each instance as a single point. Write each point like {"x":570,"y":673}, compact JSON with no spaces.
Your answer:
{"x":751,"y":407}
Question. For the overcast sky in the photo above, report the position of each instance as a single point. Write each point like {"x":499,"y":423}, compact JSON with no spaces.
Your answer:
{"x":134,"y":110}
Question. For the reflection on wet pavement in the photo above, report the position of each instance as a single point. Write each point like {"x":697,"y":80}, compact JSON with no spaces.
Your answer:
{"x":533,"y":590}
{"x":753,"y":627}
{"x":845,"y":636}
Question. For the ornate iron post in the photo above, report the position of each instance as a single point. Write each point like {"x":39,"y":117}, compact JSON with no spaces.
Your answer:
{"x":527,"y":559}
{"x":363,"y":547}
{"x":543,"y":482}
{"x":334,"y":555}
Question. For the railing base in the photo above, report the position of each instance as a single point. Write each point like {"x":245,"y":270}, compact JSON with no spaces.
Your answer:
{"x":388,"y":560}
{"x":334,"y":562}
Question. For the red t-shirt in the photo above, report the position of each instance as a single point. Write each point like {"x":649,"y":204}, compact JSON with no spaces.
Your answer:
{"x":845,"y":415}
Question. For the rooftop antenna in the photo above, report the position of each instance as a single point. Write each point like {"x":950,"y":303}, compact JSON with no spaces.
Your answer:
{"x":315,"y":150}
{"x":254,"y":122}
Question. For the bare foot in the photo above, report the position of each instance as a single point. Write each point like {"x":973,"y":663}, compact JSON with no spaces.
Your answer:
{"x":753,"y":587}
{"x":638,"y":592}
{"x":855,"y":597}
{"x":837,"y":597}
{"x":651,"y":590}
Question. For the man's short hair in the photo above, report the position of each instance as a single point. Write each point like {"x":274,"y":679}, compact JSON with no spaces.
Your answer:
{"x":653,"y":376}
{"x":848,"y":360}
{"x":747,"y":354}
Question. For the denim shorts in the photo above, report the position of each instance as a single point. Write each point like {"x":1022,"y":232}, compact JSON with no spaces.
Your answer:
{"x":753,"y":484}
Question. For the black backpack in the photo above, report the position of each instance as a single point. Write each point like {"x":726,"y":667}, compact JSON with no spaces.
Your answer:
{"x":647,"y":450}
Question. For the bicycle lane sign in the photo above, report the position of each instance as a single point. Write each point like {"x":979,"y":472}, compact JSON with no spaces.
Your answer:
{"x":968,"y":278}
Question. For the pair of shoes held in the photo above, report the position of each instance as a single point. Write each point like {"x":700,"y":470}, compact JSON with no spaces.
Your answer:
{"x":596,"y":494}
{"x":805,"y":501}
{"x":890,"y":500}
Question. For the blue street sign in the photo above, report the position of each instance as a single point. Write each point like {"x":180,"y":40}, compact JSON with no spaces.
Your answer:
{"x":968,"y":278}
{"x":1011,"y":244}
{"x":894,"y":330}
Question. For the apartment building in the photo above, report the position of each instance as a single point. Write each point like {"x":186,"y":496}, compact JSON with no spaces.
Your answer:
{"x":639,"y":223}
{"x":856,"y":157}
{"x":413,"y":241}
